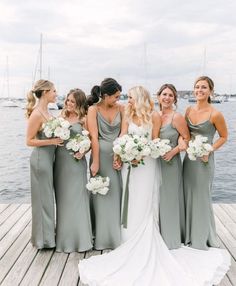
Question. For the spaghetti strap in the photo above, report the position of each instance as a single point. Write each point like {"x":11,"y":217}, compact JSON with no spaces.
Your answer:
{"x":43,"y":114}
{"x":210,"y":115}
{"x":172,"y":117}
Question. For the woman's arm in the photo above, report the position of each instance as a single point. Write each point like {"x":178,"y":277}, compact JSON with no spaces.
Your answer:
{"x":181,"y":126}
{"x":220,"y":124}
{"x":34,"y":124}
{"x":156,"y":124}
{"x":124,"y":123}
{"x":93,"y":131}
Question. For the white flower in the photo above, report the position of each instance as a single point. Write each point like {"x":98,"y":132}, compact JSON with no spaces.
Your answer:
{"x":159,"y":147}
{"x":98,"y":185}
{"x":79,"y":143}
{"x":198,"y":147}
{"x":57,"y":127}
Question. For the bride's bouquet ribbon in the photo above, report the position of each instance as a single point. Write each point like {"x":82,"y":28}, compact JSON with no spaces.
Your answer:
{"x":124,"y":219}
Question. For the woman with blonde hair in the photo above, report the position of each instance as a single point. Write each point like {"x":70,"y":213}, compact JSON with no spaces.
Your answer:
{"x":41,"y":164}
{"x":143,"y":258}
{"x":73,"y":227}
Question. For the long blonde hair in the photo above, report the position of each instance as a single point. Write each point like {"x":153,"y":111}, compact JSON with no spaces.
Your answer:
{"x":143,"y":105}
{"x":81,"y":104}
{"x":36,"y":92}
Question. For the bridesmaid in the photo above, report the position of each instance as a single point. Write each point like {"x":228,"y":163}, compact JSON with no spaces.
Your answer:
{"x":73,"y":227}
{"x":41,"y":164}
{"x":203,"y":119}
{"x":104,"y":125}
{"x":173,"y":125}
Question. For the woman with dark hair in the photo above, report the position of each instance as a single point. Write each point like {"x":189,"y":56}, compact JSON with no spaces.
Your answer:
{"x":104,"y":125}
{"x":172,"y":210}
{"x":73,"y":227}
{"x":41,"y":164}
{"x":203,"y":119}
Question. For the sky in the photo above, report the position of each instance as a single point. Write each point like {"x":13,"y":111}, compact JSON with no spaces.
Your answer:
{"x":148,"y":42}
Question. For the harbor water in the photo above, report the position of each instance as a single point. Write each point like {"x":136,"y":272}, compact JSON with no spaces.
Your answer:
{"x":14,"y":156}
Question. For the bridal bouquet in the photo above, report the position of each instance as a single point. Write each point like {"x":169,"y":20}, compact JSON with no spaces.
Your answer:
{"x":79,"y":143}
{"x":57,"y":127}
{"x":159,"y":147}
{"x":98,"y":185}
{"x":131,"y":147}
{"x":198,"y":147}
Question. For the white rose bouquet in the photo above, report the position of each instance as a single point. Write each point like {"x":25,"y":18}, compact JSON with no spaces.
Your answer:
{"x":131,"y":147}
{"x":98,"y":185}
{"x":57,"y":127}
{"x":79,"y":143}
{"x":159,"y":147}
{"x":198,"y":147}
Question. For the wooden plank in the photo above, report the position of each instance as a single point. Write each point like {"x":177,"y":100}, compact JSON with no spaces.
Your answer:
{"x":70,"y":275}
{"x":7,"y":212}
{"x":230,"y":211}
{"x":227,"y":238}
{"x":14,"y":232}
{"x":37,"y":268}
{"x":54,"y":269}
{"x":18,"y":271}
{"x":225,"y":282}
{"x":12,"y":219}
{"x":14,"y":252}
{"x":3,"y":207}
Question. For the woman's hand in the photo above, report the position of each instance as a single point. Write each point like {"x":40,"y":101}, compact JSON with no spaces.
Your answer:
{"x":169,"y":155}
{"x":135,"y":162}
{"x":205,"y":158}
{"x":117,"y":163}
{"x":182,"y":144}
{"x":57,"y":141}
{"x":94,"y":168}
{"x":79,"y":155}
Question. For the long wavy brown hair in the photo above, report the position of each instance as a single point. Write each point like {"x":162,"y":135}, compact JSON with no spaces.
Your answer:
{"x":81,"y":104}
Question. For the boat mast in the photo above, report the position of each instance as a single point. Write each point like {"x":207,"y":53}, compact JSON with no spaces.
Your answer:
{"x":41,"y":56}
{"x":7,"y":76}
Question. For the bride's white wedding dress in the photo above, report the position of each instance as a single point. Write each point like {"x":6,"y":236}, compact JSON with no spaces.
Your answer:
{"x":143,"y":258}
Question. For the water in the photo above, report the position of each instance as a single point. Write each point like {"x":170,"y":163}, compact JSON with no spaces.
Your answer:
{"x":14,"y":157}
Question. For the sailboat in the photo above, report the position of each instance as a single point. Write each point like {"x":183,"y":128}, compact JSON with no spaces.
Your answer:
{"x":40,"y":59}
{"x":9,"y":102}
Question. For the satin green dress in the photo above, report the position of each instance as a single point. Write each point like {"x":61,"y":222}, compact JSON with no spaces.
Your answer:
{"x":107,"y":208}
{"x":42,"y":195}
{"x":172,"y":210}
{"x":198,"y":178}
{"x":73,"y":223}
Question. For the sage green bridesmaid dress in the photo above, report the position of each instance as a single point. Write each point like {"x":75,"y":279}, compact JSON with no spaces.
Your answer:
{"x":42,"y":195}
{"x":73,"y":223}
{"x":198,"y":178}
{"x":172,"y":210}
{"x":107,"y":208}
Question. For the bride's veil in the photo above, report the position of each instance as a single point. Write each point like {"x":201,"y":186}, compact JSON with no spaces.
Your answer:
{"x":156,"y":192}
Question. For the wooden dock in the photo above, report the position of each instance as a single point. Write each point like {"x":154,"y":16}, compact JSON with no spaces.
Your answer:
{"x":21,"y":264}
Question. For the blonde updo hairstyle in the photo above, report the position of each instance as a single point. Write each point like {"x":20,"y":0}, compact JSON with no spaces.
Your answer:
{"x":143,"y":105}
{"x":81,"y":104}
{"x":39,"y":88}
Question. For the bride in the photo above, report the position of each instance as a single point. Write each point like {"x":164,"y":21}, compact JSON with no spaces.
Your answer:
{"x":143,"y":258}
